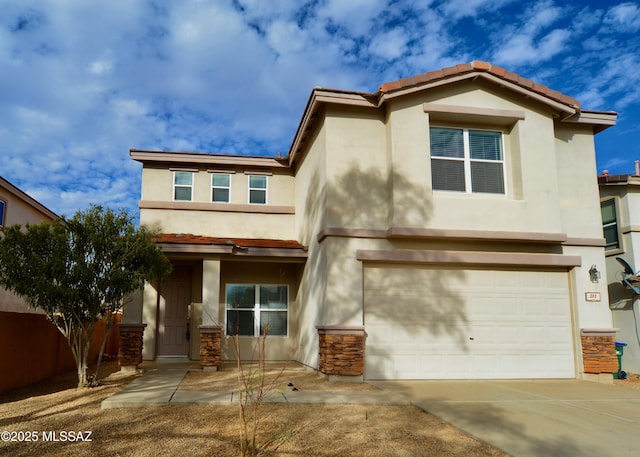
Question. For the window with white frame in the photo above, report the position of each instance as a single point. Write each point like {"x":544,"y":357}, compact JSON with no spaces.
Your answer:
{"x":182,"y":185}
{"x":2,"y":206}
{"x":466,"y":160}
{"x":258,"y":189}
{"x":610,"y":224}
{"x":256,"y":309}
{"x":220,"y":187}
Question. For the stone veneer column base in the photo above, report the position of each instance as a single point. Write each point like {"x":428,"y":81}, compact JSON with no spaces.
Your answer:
{"x":342,"y":352}
{"x":599,"y":353}
{"x":210,"y":347}
{"x":130,"y":346}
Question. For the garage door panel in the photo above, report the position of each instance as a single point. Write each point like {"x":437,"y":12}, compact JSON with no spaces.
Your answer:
{"x":472,"y":324}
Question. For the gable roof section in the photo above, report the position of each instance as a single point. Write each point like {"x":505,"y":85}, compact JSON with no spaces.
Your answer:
{"x":568,"y":108}
{"x":16,"y":192}
{"x":484,"y":69}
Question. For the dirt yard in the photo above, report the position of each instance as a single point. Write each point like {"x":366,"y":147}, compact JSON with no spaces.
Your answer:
{"x":60,"y":420}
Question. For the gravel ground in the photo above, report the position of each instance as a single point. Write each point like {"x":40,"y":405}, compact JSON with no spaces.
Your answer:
{"x":47,"y":412}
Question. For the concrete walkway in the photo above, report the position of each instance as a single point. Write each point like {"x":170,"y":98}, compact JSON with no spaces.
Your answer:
{"x":535,"y":418}
{"x":159,"y":383}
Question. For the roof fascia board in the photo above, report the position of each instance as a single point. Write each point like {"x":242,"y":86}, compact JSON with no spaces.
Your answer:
{"x":206,"y":159}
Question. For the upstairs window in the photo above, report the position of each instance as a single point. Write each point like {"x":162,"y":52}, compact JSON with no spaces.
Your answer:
{"x":464,"y":160}
{"x":258,"y":189}
{"x":220,"y":188}
{"x":256,"y":309}
{"x":610,"y":224}
{"x":182,"y":185}
{"x":2,"y":205}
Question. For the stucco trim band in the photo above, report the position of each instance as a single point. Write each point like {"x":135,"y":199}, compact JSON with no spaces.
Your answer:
{"x":505,"y":259}
{"x":599,"y":331}
{"x":446,"y":234}
{"x":472,"y":113}
{"x":489,"y":235}
{"x":218,"y":207}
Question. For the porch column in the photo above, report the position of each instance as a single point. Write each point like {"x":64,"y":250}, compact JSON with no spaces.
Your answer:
{"x":342,"y":352}
{"x":210,"y":292}
{"x":210,"y":330}
{"x":130,"y":347}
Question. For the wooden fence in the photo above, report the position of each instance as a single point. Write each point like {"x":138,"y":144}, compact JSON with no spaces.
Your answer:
{"x":32,"y":349}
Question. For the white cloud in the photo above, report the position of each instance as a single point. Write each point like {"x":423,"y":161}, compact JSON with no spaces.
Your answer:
{"x":389,"y":45}
{"x":539,"y":16}
{"x":354,"y":15}
{"x":624,"y":17}
{"x":285,"y":37}
{"x":458,"y":9}
{"x":528,"y":42}
{"x":523,"y":50}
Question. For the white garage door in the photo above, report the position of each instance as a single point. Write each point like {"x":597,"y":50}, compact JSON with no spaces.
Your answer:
{"x":447,"y":323}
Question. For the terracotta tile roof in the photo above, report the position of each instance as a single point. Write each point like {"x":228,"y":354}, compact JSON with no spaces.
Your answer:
{"x":478,"y":66}
{"x":185,"y":238}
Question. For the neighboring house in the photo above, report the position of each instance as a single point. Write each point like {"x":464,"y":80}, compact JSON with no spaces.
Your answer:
{"x":620,"y":203}
{"x":25,"y":333}
{"x":441,"y":227}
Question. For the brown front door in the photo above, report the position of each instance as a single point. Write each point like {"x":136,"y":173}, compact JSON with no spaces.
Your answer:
{"x":173,"y":318}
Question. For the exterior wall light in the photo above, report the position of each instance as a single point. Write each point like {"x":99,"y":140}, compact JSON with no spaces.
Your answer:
{"x":594,"y":274}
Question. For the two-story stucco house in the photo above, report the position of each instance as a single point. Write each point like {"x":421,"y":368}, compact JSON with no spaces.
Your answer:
{"x":441,"y":227}
{"x":620,"y":203}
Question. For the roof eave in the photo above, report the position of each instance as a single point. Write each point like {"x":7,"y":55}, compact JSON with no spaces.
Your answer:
{"x":236,"y":251}
{"x":205,"y":159}
{"x":600,"y":120}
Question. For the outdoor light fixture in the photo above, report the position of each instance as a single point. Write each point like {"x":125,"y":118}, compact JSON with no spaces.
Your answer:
{"x":594,"y":274}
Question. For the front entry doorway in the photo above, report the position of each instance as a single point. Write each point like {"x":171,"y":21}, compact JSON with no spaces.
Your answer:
{"x":173,"y":328}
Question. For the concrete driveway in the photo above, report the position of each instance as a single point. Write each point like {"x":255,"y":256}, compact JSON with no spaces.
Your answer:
{"x":535,"y":418}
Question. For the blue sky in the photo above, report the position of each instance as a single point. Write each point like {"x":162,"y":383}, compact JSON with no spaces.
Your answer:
{"x":82,"y":82}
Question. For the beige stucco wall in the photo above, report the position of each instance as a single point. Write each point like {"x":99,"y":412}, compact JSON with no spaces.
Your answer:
{"x":202,"y":218}
{"x":311,"y":195}
{"x":575,"y":160}
{"x":531,"y":200}
{"x":221,"y":224}
{"x":357,"y":169}
{"x":157,"y":185}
